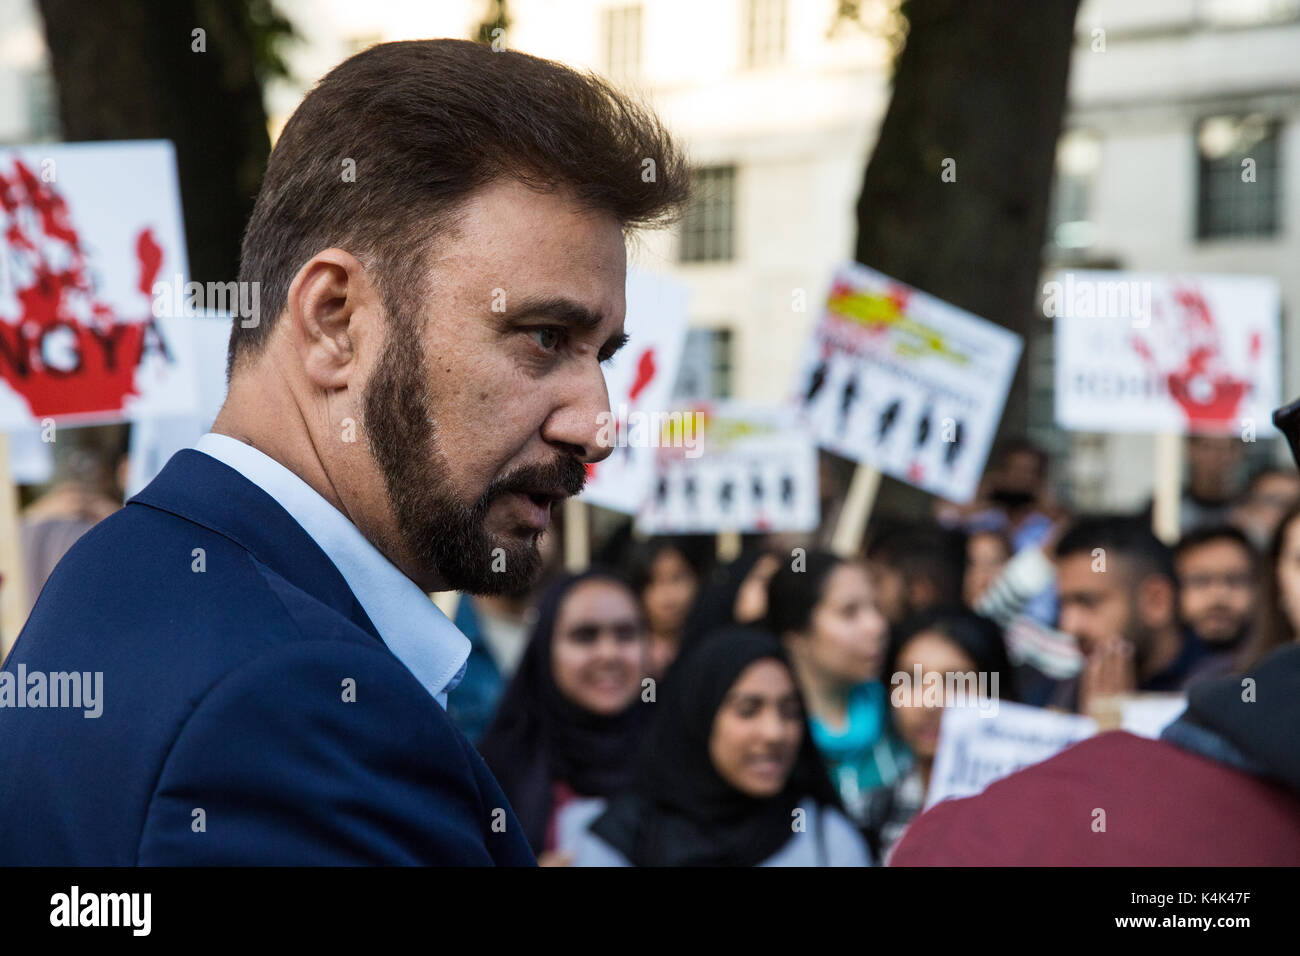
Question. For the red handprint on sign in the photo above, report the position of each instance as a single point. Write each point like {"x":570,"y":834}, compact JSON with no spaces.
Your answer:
{"x":64,"y":352}
{"x":1209,"y":394}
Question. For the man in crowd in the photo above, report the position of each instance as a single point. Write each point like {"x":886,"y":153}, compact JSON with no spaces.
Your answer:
{"x":1214,"y":480}
{"x":439,"y":240}
{"x":1271,"y":493}
{"x":1217,"y":592}
{"x":1119,"y":599}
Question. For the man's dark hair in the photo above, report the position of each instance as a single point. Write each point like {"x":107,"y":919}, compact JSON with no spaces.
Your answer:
{"x":1020,"y":446}
{"x":424,"y":124}
{"x":1213,"y":533}
{"x":1128,"y":537}
{"x":922,"y":549}
{"x":793,"y":595}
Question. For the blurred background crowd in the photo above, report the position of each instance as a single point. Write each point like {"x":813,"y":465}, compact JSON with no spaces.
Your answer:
{"x":555,"y":695}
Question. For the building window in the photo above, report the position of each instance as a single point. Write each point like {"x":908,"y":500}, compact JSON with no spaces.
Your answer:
{"x":707,"y":226}
{"x":1238,"y":183}
{"x":706,"y":365}
{"x":1070,"y":225}
{"x":622,"y":42}
{"x":41,"y":100}
{"x":764,"y":32}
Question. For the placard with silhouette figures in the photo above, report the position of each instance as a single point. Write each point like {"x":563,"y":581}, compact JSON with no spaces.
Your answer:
{"x":1179,"y":354}
{"x":748,"y":468}
{"x":92,"y":235}
{"x":640,"y":380}
{"x":906,"y":383}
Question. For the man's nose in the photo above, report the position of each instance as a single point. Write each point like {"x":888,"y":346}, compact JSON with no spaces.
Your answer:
{"x":1070,"y":621}
{"x":583,"y":422}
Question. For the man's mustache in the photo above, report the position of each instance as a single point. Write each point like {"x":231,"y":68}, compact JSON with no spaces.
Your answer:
{"x":566,"y":474}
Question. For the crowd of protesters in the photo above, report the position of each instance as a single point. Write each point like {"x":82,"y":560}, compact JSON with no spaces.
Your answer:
{"x":665,"y":708}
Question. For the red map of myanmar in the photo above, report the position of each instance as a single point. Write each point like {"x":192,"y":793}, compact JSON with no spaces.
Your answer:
{"x":65,"y":352}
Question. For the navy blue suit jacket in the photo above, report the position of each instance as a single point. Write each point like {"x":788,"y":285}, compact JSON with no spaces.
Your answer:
{"x":224,"y":736}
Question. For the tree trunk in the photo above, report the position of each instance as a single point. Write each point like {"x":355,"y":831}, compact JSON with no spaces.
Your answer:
{"x":127,"y":69}
{"x":982,"y":84}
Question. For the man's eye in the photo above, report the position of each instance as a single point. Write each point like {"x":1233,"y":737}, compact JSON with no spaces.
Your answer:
{"x":547,"y":338}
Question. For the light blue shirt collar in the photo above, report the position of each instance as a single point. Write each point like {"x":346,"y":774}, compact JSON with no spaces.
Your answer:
{"x":412,"y":626}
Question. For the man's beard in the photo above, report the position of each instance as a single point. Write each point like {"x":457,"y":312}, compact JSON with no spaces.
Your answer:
{"x":1233,"y":639}
{"x":441,"y":533}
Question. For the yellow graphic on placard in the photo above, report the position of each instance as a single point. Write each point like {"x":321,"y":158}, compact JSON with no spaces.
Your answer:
{"x":718,"y":432}
{"x":874,"y":309}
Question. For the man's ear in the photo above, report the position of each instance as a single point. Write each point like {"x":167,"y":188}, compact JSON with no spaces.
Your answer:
{"x":333,"y":313}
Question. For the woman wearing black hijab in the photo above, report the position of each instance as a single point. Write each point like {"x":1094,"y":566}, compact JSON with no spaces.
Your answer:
{"x":735,"y":593}
{"x":727,"y":774}
{"x":571,"y":717}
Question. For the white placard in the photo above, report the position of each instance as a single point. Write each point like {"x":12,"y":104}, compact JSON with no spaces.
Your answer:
{"x":31,"y":460}
{"x":155,"y":440}
{"x":746,"y":468}
{"x":90,"y":231}
{"x":897,"y":379}
{"x":1142,"y":352}
{"x":1147,"y":715}
{"x":978,"y":747}
{"x":640,"y":381}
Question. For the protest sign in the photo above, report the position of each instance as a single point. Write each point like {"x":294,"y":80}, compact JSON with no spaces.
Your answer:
{"x":1147,"y":715}
{"x":748,"y":468}
{"x":1142,"y":352}
{"x":94,"y":258}
{"x":31,"y":457}
{"x":155,"y":440}
{"x":978,"y":746}
{"x":640,"y":381}
{"x":900,"y":381}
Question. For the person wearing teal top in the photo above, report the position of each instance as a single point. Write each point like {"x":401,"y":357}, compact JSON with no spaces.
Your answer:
{"x":824,"y":610}
{"x":864,"y":753}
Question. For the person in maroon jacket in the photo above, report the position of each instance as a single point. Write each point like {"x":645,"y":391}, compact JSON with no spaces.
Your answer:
{"x":1221,"y":787}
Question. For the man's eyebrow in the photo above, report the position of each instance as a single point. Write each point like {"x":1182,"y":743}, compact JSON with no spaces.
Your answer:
{"x":558,"y":309}
{"x":567,"y":312}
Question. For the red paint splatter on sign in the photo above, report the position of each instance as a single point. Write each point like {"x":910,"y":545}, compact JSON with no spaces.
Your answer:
{"x":645,"y":373}
{"x":65,"y":352}
{"x":1209,"y":394}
